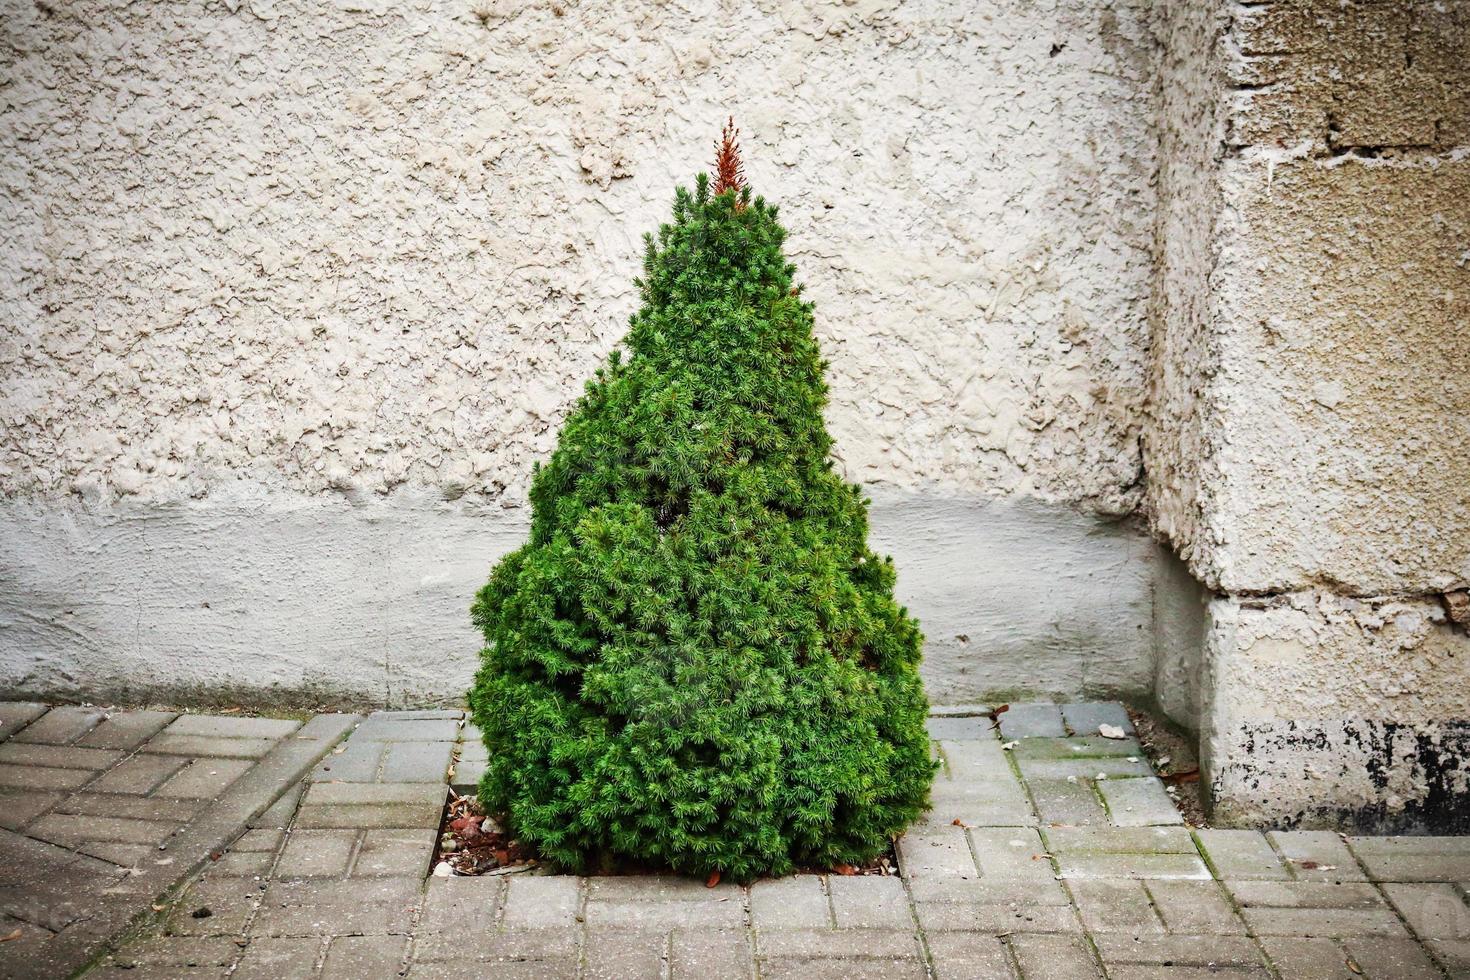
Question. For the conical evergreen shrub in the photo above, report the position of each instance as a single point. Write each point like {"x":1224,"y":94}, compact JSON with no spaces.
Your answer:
{"x":696,"y":662}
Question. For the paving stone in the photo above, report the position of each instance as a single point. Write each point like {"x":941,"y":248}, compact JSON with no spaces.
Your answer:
{"x":977,"y":807}
{"x":1391,"y":959}
{"x":958,"y":710}
{"x":1038,"y":750}
{"x":982,"y":761}
{"x":990,"y":891}
{"x":41,"y":778}
{"x":1317,"y":855}
{"x":57,"y":756}
{"x":386,"y":727}
{"x":662,"y":902}
{"x":416,"y":762}
{"x":499,"y":953}
{"x":395,"y":852}
{"x":1433,"y":910}
{"x":122,"y":855}
{"x":126,"y":730}
{"x":543,"y":902}
{"x":15,"y":715}
{"x":1182,"y":867}
{"x":1306,"y":894}
{"x":178,"y":951}
{"x":995,"y":918}
{"x":1184,"y":956}
{"x":271,"y":958}
{"x":965,"y":955}
{"x":351,"y":762}
{"x":1198,"y":908}
{"x":625,"y":954}
{"x":1073,"y":803}
{"x":937,"y":852}
{"x":139,"y":774}
{"x":231,"y":726}
{"x":20,"y":807}
{"x":372,"y":805}
{"x":1242,"y":855}
{"x":959,"y":729}
{"x":1119,"y":852}
{"x":1454,"y":954}
{"x":202,"y":745}
{"x":278,"y":815}
{"x":797,"y":902}
{"x":356,"y":957}
{"x":467,"y":775}
{"x":1085,"y":767}
{"x":1054,"y":957}
{"x":711,"y":954}
{"x":203,"y":779}
{"x":832,"y":954}
{"x":1017,"y":852}
{"x":61,"y":725}
{"x":1085,"y":718}
{"x":1138,"y":803}
{"x":1115,"y":906}
{"x":470,"y":904}
{"x":243,"y":864}
{"x":259,"y":840}
{"x":316,"y":853}
{"x":126,"y":805}
{"x":315,"y":906}
{"x":869,"y":902}
{"x":229,"y":902}
{"x":1328,"y":922}
{"x":1031,"y":721}
{"x":74,"y":829}
{"x":1296,"y":958}
{"x":1414,"y":858}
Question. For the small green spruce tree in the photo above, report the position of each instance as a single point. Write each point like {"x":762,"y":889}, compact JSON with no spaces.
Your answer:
{"x":696,"y":662}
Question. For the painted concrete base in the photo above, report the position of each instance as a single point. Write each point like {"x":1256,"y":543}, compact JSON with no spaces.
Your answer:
{"x":364,"y":600}
{"x":1322,"y":711}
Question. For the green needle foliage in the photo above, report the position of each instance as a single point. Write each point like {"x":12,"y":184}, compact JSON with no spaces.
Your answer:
{"x":696,"y":662}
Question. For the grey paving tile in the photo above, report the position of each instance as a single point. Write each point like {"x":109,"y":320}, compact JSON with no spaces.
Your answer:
{"x":357,"y":957}
{"x":991,"y":891}
{"x":982,"y":761}
{"x":1037,"y":750}
{"x":384,"y":727}
{"x":1115,"y":906}
{"x":832,"y":953}
{"x":351,"y":762}
{"x":231,"y":726}
{"x":1138,"y":803}
{"x":1242,"y":854}
{"x":996,"y":918}
{"x":259,"y":840}
{"x":203,"y":779}
{"x":15,"y":715}
{"x":126,"y":730}
{"x":128,"y":805}
{"x":318,"y":906}
{"x":960,"y":728}
{"x":416,"y":762}
{"x":1414,"y":858}
{"x":964,"y":956}
{"x":1021,"y":721}
{"x":214,"y":907}
{"x":1433,"y":910}
{"x":372,"y":805}
{"x":957,"y":710}
{"x":395,"y":852}
{"x":1198,"y":908}
{"x":61,"y":725}
{"x":316,"y":853}
{"x":467,"y":775}
{"x":1454,"y":954}
{"x":1391,"y":959}
{"x":711,"y":954}
{"x":1012,"y":852}
{"x":56,"y":756}
{"x":937,"y":852}
{"x":1068,"y":803}
{"x":1044,"y":957}
{"x":42,"y":778}
{"x":544,"y":902}
{"x":797,"y":902}
{"x":663,"y":902}
{"x":1298,"y":958}
{"x":1306,"y":894}
{"x":75,"y":829}
{"x":270,"y":958}
{"x":165,"y":743}
{"x":497,"y":953}
{"x":1327,"y":922}
{"x":243,"y":864}
{"x":1085,"y":718}
{"x":139,"y":774}
{"x":468,"y":904}
{"x":625,"y":954}
{"x":19,"y":807}
{"x":1178,"y":952}
{"x":869,"y":902}
{"x":122,"y":855}
{"x":1317,"y":855}
{"x":278,"y":815}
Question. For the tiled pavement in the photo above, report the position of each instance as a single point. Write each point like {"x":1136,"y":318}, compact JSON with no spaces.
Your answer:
{"x":1051,"y":852}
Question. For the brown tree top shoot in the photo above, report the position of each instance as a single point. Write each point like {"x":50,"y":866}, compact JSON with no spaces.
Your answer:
{"x":729,"y":172}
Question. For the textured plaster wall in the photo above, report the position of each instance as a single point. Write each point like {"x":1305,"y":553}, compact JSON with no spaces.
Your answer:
{"x":292,"y":295}
{"x":1311,"y":400}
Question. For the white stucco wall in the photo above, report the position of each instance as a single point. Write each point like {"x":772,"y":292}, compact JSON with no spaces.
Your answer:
{"x":292,"y":295}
